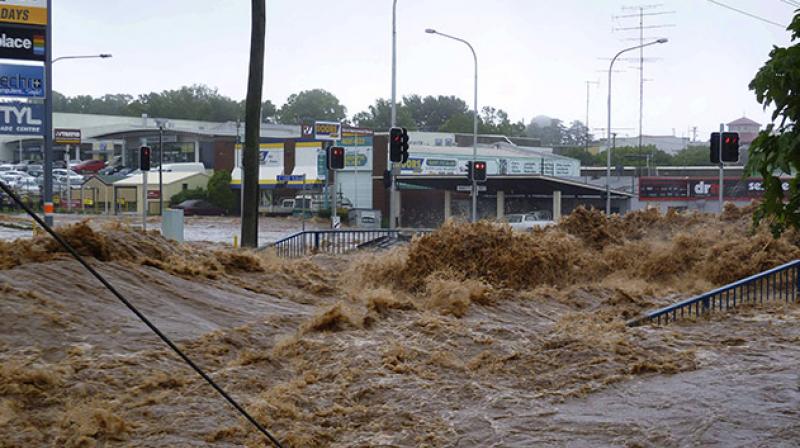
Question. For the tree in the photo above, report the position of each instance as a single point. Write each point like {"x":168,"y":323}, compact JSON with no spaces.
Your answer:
{"x":252,"y":128}
{"x":219,"y":190}
{"x":549,"y":130}
{"x":577,"y":135}
{"x":460,"y":123}
{"x":316,"y":104}
{"x":692,"y":156}
{"x":496,"y":121}
{"x":379,"y":116}
{"x":431,"y":113}
{"x":776,"y":150}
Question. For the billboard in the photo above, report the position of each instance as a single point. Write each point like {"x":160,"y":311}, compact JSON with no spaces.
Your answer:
{"x":22,"y":42}
{"x":67,"y":136}
{"x":327,"y":130}
{"x":25,"y":12}
{"x":697,"y":188}
{"x":22,"y":80}
{"x":21,"y":118}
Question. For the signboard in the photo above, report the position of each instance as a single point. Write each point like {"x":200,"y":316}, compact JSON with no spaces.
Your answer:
{"x":291,"y":178}
{"x":21,"y":118}
{"x":307,"y":130}
{"x":153,"y":194}
{"x":468,"y":188}
{"x":695,"y":188}
{"x":327,"y":130}
{"x":25,"y":12}
{"x":22,"y":80}
{"x":17,"y":42}
{"x":67,"y":136}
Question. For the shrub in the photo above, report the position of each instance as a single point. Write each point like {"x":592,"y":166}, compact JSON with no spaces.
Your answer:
{"x":219,"y":190}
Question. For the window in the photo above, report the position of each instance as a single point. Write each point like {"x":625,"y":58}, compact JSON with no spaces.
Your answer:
{"x":514,"y":218}
{"x":185,"y":186}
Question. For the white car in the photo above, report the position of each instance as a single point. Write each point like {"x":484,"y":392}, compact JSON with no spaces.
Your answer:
{"x":60,"y":176}
{"x":27,"y":187}
{"x":527,"y":221}
{"x":11,"y":177}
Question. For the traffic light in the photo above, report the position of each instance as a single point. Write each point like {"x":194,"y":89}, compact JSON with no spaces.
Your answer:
{"x":396,"y":145}
{"x":336,"y":158}
{"x":387,"y":179}
{"x":476,"y":171}
{"x":479,"y":171}
{"x":144,"y":158}
{"x":730,"y":147}
{"x":404,"y":147}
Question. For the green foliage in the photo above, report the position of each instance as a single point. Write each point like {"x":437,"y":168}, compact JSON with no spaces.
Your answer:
{"x":185,"y":195}
{"x":692,"y":156}
{"x":219,"y":190}
{"x":316,"y":104}
{"x":379,"y":116}
{"x":776,"y":150}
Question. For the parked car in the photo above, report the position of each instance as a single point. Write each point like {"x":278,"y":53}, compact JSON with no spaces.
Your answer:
{"x":7,"y":167}
{"x":27,"y":186}
{"x":199,"y":207}
{"x":89,"y":166}
{"x":60,"y":176}
{"x":527,"y":221}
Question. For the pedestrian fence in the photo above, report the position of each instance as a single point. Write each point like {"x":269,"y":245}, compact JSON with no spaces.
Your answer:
{"x":335,"y":241}
{"x":777,"y":284}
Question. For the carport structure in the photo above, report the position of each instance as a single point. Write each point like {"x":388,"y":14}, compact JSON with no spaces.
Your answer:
{"x":427,"y":200}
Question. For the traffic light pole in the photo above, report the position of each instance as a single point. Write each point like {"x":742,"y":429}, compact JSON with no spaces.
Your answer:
{"x":721,"y":167}
{"x":144,"y":201}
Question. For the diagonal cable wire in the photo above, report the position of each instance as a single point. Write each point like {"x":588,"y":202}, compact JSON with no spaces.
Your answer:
{"x":138,"y":314}
{"x":748,"y":14}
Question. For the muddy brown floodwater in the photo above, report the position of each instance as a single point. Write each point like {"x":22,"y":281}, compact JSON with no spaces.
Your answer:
{"x":472,"y":336}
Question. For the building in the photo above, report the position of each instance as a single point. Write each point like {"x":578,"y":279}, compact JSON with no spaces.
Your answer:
{"x":97,"y":193}
{"x":118,"y":138}
{"x":670,"y":144}
{"x":748,"y":129}
{"x":128,"y":191}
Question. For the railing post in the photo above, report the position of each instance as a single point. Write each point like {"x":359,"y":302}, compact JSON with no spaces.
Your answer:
{"x":316,"y":241}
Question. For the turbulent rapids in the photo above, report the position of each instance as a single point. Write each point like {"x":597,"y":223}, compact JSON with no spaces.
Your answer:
{"x":472,"y":336}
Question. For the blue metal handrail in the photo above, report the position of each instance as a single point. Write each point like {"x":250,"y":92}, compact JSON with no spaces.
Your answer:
{"x":781,"y":283}
{"x":333,"y":241}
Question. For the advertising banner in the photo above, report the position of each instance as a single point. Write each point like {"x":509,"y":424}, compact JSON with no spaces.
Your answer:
{"x":67,"y":136}
{"x":22,"y":80}
{"x":327,"y":130}
{"x":21,"y":118}
{"x":22,"y":42}
{"x":25,"y":12}
{"x":695,"y":188}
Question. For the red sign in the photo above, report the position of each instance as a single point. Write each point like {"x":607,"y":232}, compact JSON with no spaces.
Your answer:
{"x":153,"y":194}
{"x":697,"y":188}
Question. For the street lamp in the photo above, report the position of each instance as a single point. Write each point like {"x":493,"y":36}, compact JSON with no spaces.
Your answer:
{"x":393,"y":122}
{"x":48,"y":137}
{"x":95,"y":56}
{"x":161,"y":122}
{"x":474,"y":121}
{"x":608,"y":129}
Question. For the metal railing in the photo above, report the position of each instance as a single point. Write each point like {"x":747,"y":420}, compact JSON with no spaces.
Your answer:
{"x":780,"y":283}
{"x":334,"y":241}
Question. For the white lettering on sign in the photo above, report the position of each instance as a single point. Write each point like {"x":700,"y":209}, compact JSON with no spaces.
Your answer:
{"x":22,"y":115}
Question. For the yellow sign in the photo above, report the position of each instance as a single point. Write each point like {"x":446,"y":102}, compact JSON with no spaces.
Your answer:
{"x":22,"y":14}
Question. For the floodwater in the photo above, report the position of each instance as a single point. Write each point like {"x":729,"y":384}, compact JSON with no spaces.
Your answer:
{"x":473,"y":336}
{"x":196,"y":228}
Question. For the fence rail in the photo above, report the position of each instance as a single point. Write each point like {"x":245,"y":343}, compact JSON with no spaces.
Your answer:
{"x":778,"y":284}
{"x":334,"y":241}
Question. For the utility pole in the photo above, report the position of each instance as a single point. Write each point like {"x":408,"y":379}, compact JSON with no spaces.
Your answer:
{"x":394,"y":168}
{"x":640,"y":15}
{"x":252,"y":127}
{"x":588,"y":84}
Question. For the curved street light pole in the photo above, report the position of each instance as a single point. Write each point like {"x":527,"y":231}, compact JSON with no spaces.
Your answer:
{"x":474,"y":217}
{"x":96,"y":56}
{"x":608,"y":128}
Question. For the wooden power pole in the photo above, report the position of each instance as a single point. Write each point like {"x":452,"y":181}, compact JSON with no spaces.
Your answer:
{"x":252,"y":120}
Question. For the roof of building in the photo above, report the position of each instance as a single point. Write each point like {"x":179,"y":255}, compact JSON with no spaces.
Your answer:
{"x":168,"y":178}
{"x":495,"y":150}
{"x":744,"y":121}
{"x":108,"y":180}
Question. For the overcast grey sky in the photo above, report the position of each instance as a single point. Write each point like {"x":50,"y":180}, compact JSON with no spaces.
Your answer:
{"x":534,"y":55}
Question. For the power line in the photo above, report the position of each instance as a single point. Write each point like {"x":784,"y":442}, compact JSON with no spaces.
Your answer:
{"x":747,"y":14}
